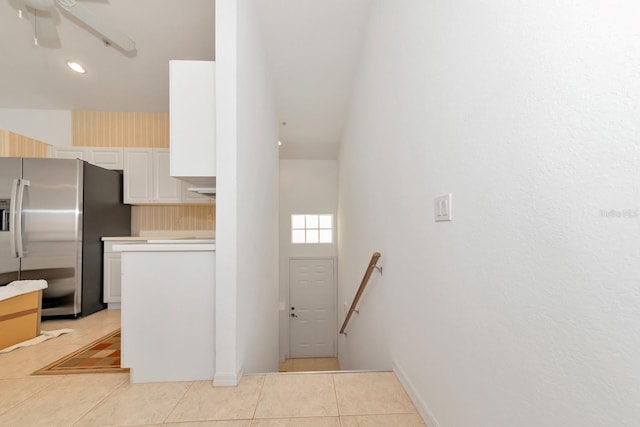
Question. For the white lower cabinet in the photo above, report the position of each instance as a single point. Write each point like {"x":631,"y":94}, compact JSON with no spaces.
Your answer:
{"x":112,"y":267}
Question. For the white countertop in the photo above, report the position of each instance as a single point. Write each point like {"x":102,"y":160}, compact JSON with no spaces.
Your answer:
{"x":154,"y":238}
{"x":182,"y":246}
{"x":157,"y":235}
{"x":190,"y":240}
{"x":125,"y":238}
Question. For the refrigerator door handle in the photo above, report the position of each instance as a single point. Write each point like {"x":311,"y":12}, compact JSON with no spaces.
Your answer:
{"x":12,"y":217}
{"x":19,"y":244}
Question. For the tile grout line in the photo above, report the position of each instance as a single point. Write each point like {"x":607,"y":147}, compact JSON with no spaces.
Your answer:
{"x":335,"y":394}
{"x":12,"y":407}
{"x":255,"y":409}
{"x":164,"y":420}
{"x":98,"y":403}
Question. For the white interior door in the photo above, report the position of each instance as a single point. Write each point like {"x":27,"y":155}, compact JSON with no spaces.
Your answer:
{"x":312,"y":308}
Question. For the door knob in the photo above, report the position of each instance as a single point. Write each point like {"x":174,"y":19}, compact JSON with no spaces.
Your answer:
{"x":294,"y":315}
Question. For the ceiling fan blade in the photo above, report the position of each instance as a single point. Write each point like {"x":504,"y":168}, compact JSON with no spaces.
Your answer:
{"x":45,"y":29}
{"x":105,"y":29}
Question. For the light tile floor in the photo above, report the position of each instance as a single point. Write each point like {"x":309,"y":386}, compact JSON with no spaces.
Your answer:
{"x":288,"y":399}
{"x":311,"y":364}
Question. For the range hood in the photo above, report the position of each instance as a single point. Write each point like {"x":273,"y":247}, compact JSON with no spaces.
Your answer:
{"x":207,"y":191}
{"x":200,"y":185}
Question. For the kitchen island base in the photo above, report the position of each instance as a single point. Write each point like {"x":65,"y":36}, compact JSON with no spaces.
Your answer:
{"x":168,"y":312}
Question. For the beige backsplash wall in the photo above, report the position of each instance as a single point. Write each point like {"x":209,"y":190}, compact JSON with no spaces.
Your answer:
{"x":131,"y":129}
{"x":173,"y":217}
{"x":15,"y":145}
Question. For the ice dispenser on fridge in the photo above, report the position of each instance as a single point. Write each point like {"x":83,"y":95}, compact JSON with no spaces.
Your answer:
{"x":4,"y":214}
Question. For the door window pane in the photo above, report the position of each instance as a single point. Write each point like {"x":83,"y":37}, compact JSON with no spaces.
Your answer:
{"x":312,"y":236}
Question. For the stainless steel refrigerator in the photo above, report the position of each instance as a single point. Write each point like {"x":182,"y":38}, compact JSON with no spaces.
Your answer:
{"x":53,"y":213}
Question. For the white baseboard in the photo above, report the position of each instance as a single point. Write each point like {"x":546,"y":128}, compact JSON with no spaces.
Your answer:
{"x":421,"y":406}
{"x":228,"y":379}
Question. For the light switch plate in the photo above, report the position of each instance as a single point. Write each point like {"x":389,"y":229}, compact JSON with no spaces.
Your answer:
{"x":442,"y":208}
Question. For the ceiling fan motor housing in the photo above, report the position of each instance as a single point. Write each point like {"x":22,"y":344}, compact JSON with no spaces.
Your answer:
{"x":45,"y":5}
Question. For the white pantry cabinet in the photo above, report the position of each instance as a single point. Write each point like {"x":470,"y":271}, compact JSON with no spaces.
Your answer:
{"x":192,"y":120}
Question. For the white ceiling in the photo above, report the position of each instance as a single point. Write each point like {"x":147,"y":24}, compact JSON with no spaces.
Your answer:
{"x":312,"y":46}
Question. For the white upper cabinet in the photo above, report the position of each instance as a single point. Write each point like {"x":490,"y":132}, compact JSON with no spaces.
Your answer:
{"x":105,"y":157}
{"x":165,"y":188}
{"x":192,"y":119}
{"x":147,"y":179}
{"x":81,"y":153}
{"x":138,"y":175}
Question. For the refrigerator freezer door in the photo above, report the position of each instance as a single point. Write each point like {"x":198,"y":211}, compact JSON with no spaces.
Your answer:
{"x":10,"y":170}
{"x":51,"y":236}
{"x":103,"y":214}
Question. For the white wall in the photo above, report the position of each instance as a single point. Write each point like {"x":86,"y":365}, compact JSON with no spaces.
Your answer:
{"x":257,"y":200}
{"x":525,"y":310}
{"x":228,"y":369}
{"x":247,"y":198}
{"x":49,"y":126}
{"x":306,"y":187}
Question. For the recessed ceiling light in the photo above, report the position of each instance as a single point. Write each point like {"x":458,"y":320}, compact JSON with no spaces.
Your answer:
{"x":279,"y":143}
{"x":75,"y":66}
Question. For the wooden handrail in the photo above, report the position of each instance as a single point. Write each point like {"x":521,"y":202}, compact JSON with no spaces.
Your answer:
{"x":363,"y":284}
